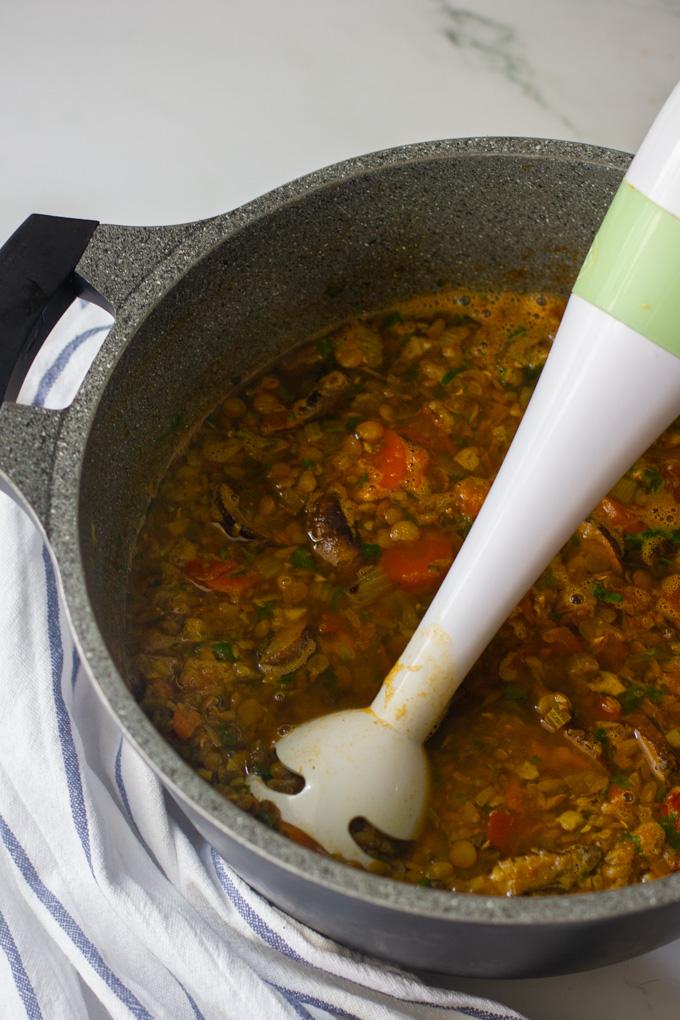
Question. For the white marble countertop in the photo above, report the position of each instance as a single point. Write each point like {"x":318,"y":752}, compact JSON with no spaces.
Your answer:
{"x":161,"y":111}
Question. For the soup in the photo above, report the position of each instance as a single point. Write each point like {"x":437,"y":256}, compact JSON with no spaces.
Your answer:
{"x":294,"y":546}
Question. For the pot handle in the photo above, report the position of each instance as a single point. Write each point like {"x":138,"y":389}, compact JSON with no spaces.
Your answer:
{"x":47,"y":263}
{"x":38,"y":282}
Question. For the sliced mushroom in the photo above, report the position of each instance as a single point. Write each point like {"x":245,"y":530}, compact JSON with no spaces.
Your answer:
{"x":658,"y":752}
{"x":287,"y":651}
{"x":231,"y":519}
{"x":335,"y":540}
{"x":583,"y":742}
{"x":321,"y":400}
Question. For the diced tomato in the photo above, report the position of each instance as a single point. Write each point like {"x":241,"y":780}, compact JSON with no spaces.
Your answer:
{"x":185,"y":721}
{"x":470,"y":494}
{"x":298,"y":836}
{"x":562,"y":640}
{"x":390,"y":461}
{"x":218,"y":576}
{"x":503,"y":831}
{"x":528,"y":611}
{"x":671,"y":805}
{"x":426,"y":430}
{"x":332,"y":623}
{"x":619,"y":516}
{"x":419,"y":564}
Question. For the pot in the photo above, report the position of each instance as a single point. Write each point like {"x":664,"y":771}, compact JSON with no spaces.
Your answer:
{"x":200,"y":305}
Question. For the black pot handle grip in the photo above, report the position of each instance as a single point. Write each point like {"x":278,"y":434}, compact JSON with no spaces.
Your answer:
{"x":38,"y":282}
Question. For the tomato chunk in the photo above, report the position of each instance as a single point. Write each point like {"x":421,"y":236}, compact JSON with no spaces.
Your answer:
{"x":419,"y":564}
{"x":217,"y":575}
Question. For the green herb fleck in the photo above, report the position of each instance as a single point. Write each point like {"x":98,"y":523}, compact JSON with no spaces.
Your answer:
{"x":605,"y":595}
{"x":669,"y":826}
{"x":302,"y":558}
{"x":635,"y":840}
{"x":266,"y":610}
{"x":450,"y":376}
{"x":621,"y":780}
{"x":325,"y":346}
{"x":307,"y":464}
{"x":511,"y":692}
{"x":653,"y":479}
{"x":517,"y":331}
{"x":600,"y":736}
{"x":372,"y":550}
{"x":223,"y":651}
{"x":227,"y":736}
{"x":393,"y":318}
{"x":631,"y":699}
{"x":335,"y":597}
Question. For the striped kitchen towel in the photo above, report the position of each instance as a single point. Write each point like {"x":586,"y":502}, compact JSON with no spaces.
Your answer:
{"x":111,"y":904}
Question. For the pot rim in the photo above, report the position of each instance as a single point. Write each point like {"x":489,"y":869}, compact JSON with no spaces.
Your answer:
{"x":64,"y":536}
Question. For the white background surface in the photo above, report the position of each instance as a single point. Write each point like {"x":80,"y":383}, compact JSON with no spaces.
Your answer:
{"x":161,"y":111}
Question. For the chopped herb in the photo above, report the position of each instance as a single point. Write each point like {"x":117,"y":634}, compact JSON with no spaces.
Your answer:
{"x":636,"y":541}
{"x":511,"y":692}
{"x":600,"y":736}
{"x":223,"y":651}
{"x":536,"y":759}
{"x":287,"y":678}
{"x":575,"y":540}
{"x":621,"y":780}
{"x":653,"y":694}
{"x":302,"y":558}
{"x":425,"y":882}
{"x":335,"y":597}
{"x":307,"y":464}
{"x":450,"y":376}
{"x":262,"y":771}
{"x":372,"y":550}
{"x":517,"y":331}
{"x":334,"y":426}
{"x":669,"y":826}
{"x":266,"y":610}
{"x":635,"y":840}
{"x":631,"y":699}
{"x":325,"y":346}
{"x":605,"y":595}
{"x":352,"y":422}
{"x":652,"y":479}
{"x":227,"y":736}
{"x":362,"y":479}
{"x":393,"y":318}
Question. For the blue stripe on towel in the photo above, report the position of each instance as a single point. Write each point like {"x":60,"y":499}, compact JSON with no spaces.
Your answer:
{"x":68,"y":749}
{"x":301,"y":1000}
{"x":68,"y":925}
{"x":60,"y":363}
{"x":252,"y":919}
{"x":21,"y":978}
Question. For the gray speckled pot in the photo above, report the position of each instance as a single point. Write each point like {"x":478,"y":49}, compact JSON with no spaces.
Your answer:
{"x":198,"y":304}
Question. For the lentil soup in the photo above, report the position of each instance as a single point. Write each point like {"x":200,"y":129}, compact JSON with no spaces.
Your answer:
{"x":297,"y":541}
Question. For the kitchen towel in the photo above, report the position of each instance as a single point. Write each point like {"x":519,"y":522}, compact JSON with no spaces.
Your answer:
{"x":111,"y":904}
